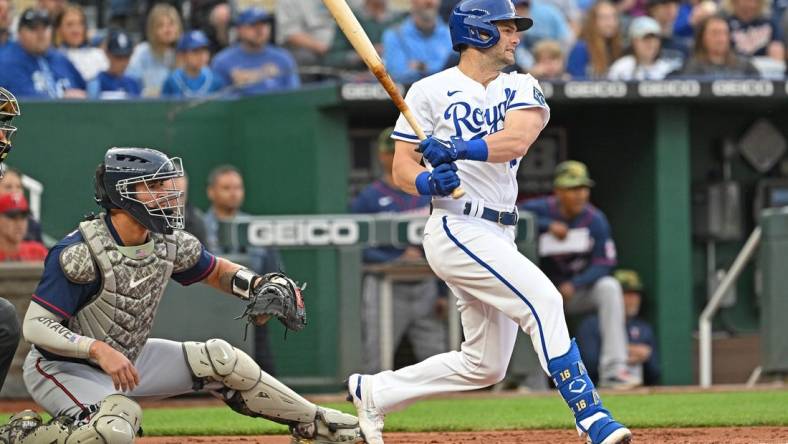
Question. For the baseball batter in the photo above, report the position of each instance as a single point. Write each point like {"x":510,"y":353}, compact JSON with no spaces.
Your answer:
{"x":482,"y":122}
{"x":92,"y":313}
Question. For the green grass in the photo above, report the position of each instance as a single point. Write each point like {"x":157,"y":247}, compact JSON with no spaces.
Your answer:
{"x":651,"y":410}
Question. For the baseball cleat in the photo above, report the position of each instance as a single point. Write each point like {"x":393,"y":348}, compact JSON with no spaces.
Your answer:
{"x":359,"y":388}
{"x":608,"y":431}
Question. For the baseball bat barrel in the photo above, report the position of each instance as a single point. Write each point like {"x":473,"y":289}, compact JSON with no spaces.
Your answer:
{"x":357,"y":37}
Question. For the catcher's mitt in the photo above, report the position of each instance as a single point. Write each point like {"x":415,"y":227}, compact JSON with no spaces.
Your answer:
{"x":277,"y":296}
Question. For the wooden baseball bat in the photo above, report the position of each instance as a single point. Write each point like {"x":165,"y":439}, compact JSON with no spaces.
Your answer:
{"x":352,"y":29}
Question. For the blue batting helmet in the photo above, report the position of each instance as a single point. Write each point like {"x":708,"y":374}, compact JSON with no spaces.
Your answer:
{"x":472,"y":22}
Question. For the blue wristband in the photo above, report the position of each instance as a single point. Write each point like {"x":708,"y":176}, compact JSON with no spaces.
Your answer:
{"x":423,"y":183}
{"x":475,"y":149}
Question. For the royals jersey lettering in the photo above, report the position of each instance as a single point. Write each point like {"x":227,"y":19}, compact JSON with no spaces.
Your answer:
{"x":451,"y":104}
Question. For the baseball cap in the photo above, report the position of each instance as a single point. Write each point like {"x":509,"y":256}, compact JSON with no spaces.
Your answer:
{"x":13,"y":204}
{"x":253,"y":15}
{"x":629,"y":279}
{"x":644,"y":26}
{"x":33,"y":17}
{"x":385,"y":142}
{"x":193,"y":40}
{"x":120,"y":44}
{"x":572,"y":174}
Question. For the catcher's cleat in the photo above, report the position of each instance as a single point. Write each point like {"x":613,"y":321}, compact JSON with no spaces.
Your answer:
{"x":608,"y":431}
{"x":19,"y":426}
{"x":370,"y":420}
{"x":330,"y":426}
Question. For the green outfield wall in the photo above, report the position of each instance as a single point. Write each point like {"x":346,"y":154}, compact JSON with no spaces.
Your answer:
{"x":645,"y":152}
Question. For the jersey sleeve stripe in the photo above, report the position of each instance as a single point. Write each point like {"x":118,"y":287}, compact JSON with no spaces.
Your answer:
{"x":405,"y":136}
{"x":523,"y":105}
{"x":50,"y":307}
{"x":204,"y":274}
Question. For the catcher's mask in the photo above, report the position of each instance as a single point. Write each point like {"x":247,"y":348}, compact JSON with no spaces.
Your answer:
{"x":142,"y":181}
{"x":9,"y":108}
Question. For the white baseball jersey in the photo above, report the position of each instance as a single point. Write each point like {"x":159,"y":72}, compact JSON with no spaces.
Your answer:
{"x":450,"y":104}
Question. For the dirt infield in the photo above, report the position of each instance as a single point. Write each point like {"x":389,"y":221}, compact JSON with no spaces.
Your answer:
{"x":719,"y":435}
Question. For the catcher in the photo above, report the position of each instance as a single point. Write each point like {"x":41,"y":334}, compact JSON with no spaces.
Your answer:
{"x":93,"y":310}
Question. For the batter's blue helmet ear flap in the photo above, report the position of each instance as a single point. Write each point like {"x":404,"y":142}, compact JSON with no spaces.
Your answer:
{"x":472,"y":22}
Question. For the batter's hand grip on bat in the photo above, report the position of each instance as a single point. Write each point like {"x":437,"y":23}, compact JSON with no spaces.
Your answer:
{"x":357,"y":37}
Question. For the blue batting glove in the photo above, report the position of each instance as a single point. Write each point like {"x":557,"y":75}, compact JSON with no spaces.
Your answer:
{"x":440,"y":182}
{"x":439,"y":152}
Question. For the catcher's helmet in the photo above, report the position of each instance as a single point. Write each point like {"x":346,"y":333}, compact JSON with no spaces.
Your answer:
{"x":9,"y":108}
{"x":158,"y":204}
{"x":472,"y":22}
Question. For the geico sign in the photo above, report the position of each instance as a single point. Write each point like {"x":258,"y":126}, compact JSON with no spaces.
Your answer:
{"x":742,"y":88}
{"x":579,"y":90}
{"x":303,"y":232}
{"x":669,"y":88}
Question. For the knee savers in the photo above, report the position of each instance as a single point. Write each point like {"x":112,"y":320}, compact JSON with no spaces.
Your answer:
{"x":256,"y":392}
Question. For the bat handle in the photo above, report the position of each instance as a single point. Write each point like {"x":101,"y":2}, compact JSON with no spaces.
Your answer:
{"x":458,"y":193}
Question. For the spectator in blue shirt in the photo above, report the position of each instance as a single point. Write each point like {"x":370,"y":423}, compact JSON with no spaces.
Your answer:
{"x":417,"y":308}
{"x":113,"y":83}
{"x":195,"y":79}
{"x":253,"y":66}
{"x":31,"y":68}
{"x":419,"y":46}
{"x":642,"y":349}
{"x":6,"y":15}
{"x":153,"y":60}
{"x":577,"y":253}
{"x":549,"y":23}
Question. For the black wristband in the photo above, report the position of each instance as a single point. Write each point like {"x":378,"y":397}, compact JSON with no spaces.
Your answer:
{"x":243,"y":282}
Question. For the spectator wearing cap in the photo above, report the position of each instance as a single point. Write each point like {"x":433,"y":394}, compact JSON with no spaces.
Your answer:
{"x":753,"y":33}
{"x":549,"y":62}
{"x":549,"y":24}
{"x":195,"y":78}
{"x":252,"y":65}
{"x":14,"y":212}
{"x":6,"y":16}
{"x":665,"y":12}
{"x":11,"y":183}
{"x":577,"y":253}
{"x":31,"y":68}
{"x":71,"y":38}
{"x":642,"y":343}
{"x":114,"y":83}
{"x":374,"y":17}
{"x":418,"y":309}
{"x":713,"y":56}
{"x":599,"y":44}
{"x":306,"y":28}
{"x":152,"y":61}
{"x":643,"y":60}
{"x":418,"y":46}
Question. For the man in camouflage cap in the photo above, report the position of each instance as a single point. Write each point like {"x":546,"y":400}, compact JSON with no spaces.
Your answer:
{"x":578,"y":254}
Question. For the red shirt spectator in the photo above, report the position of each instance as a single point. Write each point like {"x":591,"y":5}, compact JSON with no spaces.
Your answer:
{"x":14,"y":211}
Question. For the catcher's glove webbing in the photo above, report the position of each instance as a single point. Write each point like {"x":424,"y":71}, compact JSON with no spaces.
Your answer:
{"x":277,"y":296}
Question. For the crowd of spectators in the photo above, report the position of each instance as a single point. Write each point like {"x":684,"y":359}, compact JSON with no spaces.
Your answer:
{"x":199,"y":48}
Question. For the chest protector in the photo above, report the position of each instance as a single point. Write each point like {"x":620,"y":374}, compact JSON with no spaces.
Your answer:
{"x":121,"y":313}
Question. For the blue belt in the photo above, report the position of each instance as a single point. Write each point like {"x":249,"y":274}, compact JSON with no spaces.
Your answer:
{"x":501,"y":217}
